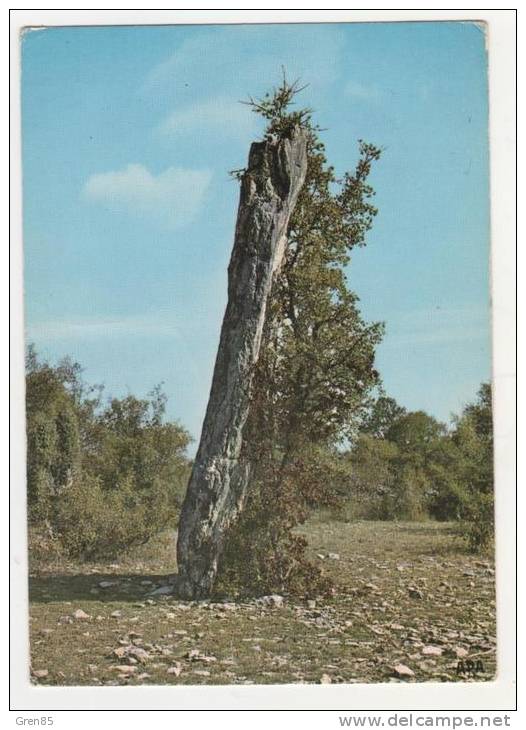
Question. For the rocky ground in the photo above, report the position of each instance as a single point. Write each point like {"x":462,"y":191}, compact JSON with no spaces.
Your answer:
{"x":410,"y":606}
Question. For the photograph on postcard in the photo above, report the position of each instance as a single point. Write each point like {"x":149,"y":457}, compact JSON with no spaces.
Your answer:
{"x":258,"y":354}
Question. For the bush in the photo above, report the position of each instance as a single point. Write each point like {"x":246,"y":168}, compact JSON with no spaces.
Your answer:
{"x":262,"y":553}
{"x":93,"y":522}
{"x":100,"y":479}
{"x":473,"y":438}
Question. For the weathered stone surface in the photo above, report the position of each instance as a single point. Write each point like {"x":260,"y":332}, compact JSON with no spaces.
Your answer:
{"x":401,"y":670}
{"x":216,"y":490}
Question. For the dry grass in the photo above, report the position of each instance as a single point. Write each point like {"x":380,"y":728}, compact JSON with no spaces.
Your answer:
{"x":401,"y":588}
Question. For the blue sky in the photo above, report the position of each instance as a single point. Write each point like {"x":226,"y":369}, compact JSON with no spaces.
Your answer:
{"x":128,"y":136}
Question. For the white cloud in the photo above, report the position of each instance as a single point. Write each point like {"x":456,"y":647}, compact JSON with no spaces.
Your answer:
{"x":88,"y":328}
{"x":224,"y":115}
{"x":172,"y":198}
{"x":356,"y":90}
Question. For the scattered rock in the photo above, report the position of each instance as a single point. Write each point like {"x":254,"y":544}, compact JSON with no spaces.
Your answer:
{"x":272,"y":601}
{"x":460,"y":652}
{"x":325,"y":679}
{"x":116,"y":614}
{"x":401,"y":670}
{"x":125,"y":668}
{"x":79,"y":614}
{"x":194,"y":655}
{"x":141,"y":655}
{"x":432,"y":651}
{"x":40,"y":673}
{"x":415,"y":592}
{"x":311,"y":604}
{"x":333,"y":556}
{"x":176,"y":669}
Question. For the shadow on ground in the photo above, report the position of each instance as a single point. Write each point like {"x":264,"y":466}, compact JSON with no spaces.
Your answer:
{"x":123,"y":587}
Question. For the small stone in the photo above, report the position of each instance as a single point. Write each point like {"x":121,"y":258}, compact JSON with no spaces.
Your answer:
{"x":46,"y":632}
{"x":402,"y":671}
{"x":140,"y":654}
{"x":116,"y":614}
{"x":333,"y":556}
{"x":40,"y":673}
{"x":325,"y":679}
{"x":460,"y":652}
{"x":79,"y":614}
{"x":311,"y":604}
{"x":432,"y":651}
{"x":176,"y":669}
{"x":202,"y":672}
{"x":415,"y":592}
{"x":321,"y":556}
{"x":125,"y":668}
{"x":107,"y":583}
{"x":274,"y":600}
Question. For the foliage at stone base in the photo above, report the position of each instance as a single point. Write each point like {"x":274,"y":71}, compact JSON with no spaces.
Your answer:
{"x":263,"y":554}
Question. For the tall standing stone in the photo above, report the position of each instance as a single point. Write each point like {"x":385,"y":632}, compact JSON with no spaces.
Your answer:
{"x":218,"y":483}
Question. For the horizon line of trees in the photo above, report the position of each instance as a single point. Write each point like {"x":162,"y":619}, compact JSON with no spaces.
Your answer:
{"x":105,"y":475}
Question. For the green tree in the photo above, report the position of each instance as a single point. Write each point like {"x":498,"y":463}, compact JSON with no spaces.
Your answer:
{"x":53,"y":439}
{"x":100,"y":477}
{"x":384,"y":412}
{"x":371,"y":487}
{"x":473,"y":438}
{"x":316,"y":368}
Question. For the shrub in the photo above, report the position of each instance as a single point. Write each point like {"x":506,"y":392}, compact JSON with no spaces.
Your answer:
{"x":473,"y":437}
{"x":262,"y":553}
{"x":100,"y":479}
